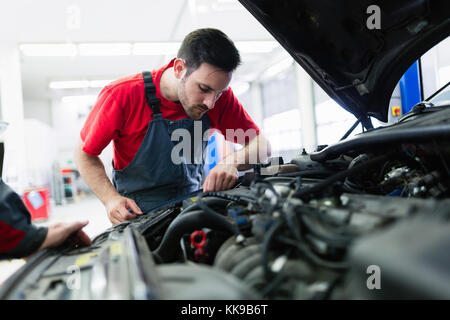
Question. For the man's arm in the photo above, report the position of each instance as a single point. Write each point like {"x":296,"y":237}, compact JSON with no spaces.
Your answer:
{"x":225,"y":174}
{"x":256,"y":151}
{"x":19,"y":238}
{"x":93,"y":172}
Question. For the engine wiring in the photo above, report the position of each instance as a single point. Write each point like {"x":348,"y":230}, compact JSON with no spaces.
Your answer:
{"x":277,"y":220}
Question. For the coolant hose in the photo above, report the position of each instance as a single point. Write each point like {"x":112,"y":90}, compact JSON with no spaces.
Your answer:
{"x":169,"y":249}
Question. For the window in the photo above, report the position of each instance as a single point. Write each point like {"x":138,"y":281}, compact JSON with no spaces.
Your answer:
{"x":281,"y":114}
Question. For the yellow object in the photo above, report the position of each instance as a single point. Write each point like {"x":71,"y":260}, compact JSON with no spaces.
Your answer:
{"x":396,"y":111}
{"x":116,"y":249}
{"x":84,"y":259}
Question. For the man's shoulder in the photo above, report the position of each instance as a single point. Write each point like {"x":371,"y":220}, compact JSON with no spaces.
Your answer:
{"x":227,"y":101}
{"x":127,"y":83}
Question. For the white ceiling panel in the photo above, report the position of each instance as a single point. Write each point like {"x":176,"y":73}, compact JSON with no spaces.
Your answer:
{"x":236,"y":22}
{"x":114,"y":21}
{"x":98,"y":20}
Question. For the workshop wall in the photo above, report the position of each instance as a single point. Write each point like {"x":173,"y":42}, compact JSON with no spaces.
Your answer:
{"x":39,"y":109}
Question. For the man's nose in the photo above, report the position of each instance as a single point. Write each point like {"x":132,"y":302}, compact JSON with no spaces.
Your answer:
{"x":209,"y":101}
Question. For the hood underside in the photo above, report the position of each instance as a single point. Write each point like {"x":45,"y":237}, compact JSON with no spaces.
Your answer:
{"x":340,"y":45}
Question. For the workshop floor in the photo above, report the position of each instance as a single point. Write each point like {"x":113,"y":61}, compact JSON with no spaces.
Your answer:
{"x":85,"y":208}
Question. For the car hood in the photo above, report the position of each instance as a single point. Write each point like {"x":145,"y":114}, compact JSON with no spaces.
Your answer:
{"x":358,"y":67}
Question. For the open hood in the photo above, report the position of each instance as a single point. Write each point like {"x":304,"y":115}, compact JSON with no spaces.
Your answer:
{"x":339,"y":45}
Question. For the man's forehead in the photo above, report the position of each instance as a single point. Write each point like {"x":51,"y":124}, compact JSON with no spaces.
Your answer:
{"x":206,"y":85}
{"x":212,"y":77}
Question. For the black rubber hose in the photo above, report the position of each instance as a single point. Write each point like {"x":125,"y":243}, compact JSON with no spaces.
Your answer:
{"x":243,"y":199}
{"x":384,"y":138}
{"x":306,"y":193}
{"x":168,"y":250}
{"x":212,"y":201}
{"x":307,"y":173}
{"x":205,"y":207}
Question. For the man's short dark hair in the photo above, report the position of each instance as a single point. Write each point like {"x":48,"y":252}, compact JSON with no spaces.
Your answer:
{"x":211,"y":46}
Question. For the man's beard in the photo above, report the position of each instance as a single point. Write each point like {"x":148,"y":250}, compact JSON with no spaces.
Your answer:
{"x":195,"y":111}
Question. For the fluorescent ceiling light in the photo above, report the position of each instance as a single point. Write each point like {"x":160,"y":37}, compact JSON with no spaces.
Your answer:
{"x":78,"y":84}
{"x":171,"y":48}
{"x":99,"y":83}
{"x":85,"y":99}
{"x":104,"y":49}
{"x":256,"y":46}
{"x":156,"y":48}
{"x":49,"y":50}
{"x":123,"y":49}
{"x":69,"y":84}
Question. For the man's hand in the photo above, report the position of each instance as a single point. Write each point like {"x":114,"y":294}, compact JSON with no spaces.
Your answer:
{"x":71,"y":231}
{"x":221,"y":177}
{"x":119,"y":208}
{"x":93,"y":172}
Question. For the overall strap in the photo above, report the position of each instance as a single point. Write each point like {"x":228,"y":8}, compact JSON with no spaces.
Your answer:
{"x":150,"y":92}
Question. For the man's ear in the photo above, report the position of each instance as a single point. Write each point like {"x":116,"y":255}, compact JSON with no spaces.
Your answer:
{"x":179,"y":68}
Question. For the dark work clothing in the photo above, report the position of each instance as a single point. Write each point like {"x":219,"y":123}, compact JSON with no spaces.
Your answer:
{"x":158,"y":174}
{"x":18,"y":236}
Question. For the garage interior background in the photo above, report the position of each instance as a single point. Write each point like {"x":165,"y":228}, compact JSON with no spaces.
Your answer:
{"x":55,"y":57}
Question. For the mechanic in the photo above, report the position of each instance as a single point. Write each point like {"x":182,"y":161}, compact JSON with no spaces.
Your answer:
{"x":19,"y":238}
{"x":142,"y":112}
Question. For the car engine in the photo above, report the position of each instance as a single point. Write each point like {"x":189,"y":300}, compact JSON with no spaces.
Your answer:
{"x":318,"y":227}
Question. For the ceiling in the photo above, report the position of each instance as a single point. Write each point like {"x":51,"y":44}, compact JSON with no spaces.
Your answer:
{"x":80,"y":21}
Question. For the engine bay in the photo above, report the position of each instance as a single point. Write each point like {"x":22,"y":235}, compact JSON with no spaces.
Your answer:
{"x":308,"y":229}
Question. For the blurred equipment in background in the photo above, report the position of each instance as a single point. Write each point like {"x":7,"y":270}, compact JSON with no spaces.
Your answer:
{"x":70,"y":184}
{"x":58,"y":186}
{"x":37,"y":201}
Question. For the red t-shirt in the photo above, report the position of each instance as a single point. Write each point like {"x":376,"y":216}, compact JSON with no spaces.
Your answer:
{"x":122,"y":114}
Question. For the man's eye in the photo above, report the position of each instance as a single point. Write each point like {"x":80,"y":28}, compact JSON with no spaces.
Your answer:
{"x":203,"y":90}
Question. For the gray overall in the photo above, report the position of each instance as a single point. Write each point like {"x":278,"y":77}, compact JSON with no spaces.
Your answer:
{"x":152,"y":177}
